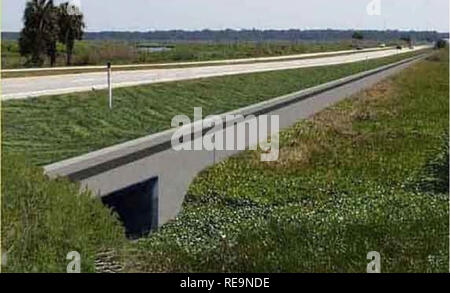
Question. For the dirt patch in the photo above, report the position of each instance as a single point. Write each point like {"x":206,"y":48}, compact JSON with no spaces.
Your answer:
{"x":360,"y":107}
{"x":309,"y":139}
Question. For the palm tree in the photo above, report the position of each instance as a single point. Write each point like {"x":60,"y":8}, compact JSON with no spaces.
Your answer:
{"x":53,"y":36}
{"x":40,"y":32}
{"x":71,"y":26}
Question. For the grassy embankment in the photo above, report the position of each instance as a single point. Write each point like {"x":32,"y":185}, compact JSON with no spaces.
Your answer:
{"x":48,"y":129}
{"x":100,"y":52}
{"x":369,"y":174}
{"x":43,"y":220}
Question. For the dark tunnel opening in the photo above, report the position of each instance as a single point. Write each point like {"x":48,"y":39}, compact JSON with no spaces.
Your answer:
{"x":137,"y":207}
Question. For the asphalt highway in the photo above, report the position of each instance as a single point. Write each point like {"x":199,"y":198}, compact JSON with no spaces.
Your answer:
{"x":26,"y":87}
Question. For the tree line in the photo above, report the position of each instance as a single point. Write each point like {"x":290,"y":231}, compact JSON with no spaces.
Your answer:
{"x":293,"y":35}
{"x":44,"y":26}
{"x":229,"y":35}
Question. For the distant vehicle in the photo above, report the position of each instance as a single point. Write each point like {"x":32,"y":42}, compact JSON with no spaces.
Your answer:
{"x":399,"y":47}
{"x":359,"y":48}
{"x":382,"y":45}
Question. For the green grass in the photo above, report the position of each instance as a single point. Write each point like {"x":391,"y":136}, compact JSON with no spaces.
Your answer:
{"x":349,"y":181}
{"x":44,"y":220}
{"x":370,"y":173}
{"x":49,"y":129}
{"x":100,"y":52}
{"x":147,"y":67}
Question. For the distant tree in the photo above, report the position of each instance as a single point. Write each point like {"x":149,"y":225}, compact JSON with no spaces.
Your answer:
{"x":40,"y":32}
{"x":406,"y":39}
{"x":358,"y":36}
{"x":71,"y":28}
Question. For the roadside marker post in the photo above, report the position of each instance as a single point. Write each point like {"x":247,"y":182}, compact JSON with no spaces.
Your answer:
{"x":110,"y":86}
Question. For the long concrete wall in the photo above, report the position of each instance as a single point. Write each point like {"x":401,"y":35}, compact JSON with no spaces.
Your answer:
{"x":117,"y":167}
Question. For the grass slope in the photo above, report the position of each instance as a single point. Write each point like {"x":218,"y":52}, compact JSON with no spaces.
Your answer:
{"x":43,"y":220}
{"x":50,"y":129}
{"x":368,"y":174}
{"x":348,"y":182}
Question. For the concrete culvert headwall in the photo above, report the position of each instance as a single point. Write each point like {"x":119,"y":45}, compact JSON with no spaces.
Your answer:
{"x":145,"y":180}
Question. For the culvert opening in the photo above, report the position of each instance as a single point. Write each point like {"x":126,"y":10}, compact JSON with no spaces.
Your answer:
{"x":137,"y":207}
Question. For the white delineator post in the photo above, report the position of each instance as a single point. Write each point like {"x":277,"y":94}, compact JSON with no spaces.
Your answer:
{"x":110,"y":86}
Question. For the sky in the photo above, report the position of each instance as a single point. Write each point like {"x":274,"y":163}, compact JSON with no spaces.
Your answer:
{"x":145,"y":15}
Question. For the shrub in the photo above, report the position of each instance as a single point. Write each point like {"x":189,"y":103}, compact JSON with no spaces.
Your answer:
{"x":441,"y":44}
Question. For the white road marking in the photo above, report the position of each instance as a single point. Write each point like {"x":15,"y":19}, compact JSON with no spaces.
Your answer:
{"x":21,"y":88}
{"x":228,"y":61}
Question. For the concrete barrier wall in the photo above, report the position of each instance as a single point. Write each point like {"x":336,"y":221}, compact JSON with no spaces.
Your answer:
{"x":117,"y":167}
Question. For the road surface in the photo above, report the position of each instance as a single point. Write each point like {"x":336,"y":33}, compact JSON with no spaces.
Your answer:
{"x":26,"y":87}
{"x":191,"y":63}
